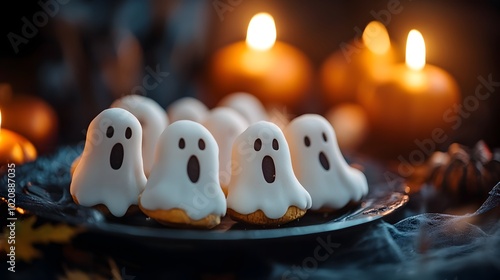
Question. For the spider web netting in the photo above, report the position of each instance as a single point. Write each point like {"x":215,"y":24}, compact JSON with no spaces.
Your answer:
{"x":425,"y":246}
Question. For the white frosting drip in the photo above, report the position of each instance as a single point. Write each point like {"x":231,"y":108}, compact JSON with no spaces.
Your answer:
{"x":248,"y":189}
{"x":153,"y":120}
{"x":225,"y":124}
{"x":94,"y":181}
{"x":187,"y":108}
{"x":247,"y":105}
{"x":334,"y":187}
{"x":169,"y":185}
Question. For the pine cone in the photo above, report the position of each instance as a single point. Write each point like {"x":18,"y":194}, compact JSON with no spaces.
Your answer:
{"x":467,"y":174}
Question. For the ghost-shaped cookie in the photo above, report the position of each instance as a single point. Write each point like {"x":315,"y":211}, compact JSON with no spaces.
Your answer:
{"x":153,"y":120}
{"x":183,"y":188}
{"x":263,"y":189}
{"x":247,"y":105}
{"x":225,"y":124}
{"x":187,"y":108}
{"x":110,"y":170}
{"x":320,"y":166}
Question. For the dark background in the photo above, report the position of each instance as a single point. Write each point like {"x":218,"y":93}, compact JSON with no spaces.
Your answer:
{"x":462,"y":37}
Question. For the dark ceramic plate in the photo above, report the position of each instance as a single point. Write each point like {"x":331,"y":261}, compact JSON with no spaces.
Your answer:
{"x":43,"y":189}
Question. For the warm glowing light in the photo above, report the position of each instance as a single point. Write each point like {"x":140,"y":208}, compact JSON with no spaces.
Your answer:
{"x":376,"y":38}
{"x":415,"y":50}
{"x":261,"y":33}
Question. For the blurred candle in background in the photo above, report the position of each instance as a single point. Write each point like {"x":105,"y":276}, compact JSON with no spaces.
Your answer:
{"x":351,"y":125}
{"x":413,"y":102}
{"x":355,"y":63}
{"x":31,"y":117}
{"x":14,"y":148}
{"x":275,"y":72}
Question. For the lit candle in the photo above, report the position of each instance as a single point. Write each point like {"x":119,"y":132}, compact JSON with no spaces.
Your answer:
{"x":356,"y":63}
{"x":410,"y":104}
{"x":14,"y":148}
{"x":275,"y":72}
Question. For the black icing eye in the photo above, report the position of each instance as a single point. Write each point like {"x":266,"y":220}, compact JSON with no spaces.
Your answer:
{"x":110,"y":131}
{"x":257,"y":145}
{"x":276,"y":146}
{"x":128,"y":133}
{"x":182,"y":143}
{"x":307,"y":141}
{"x":324,"y":137}
{"x":201,"y":144}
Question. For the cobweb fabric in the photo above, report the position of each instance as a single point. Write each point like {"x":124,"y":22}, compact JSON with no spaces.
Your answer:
{"x":425,"y":246}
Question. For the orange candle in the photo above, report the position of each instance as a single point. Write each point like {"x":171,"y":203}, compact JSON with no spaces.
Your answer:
{"x":355,"y":63}
{"x":275,"y":72}
{"x":410,"y":104}
{"x":14,"y":148}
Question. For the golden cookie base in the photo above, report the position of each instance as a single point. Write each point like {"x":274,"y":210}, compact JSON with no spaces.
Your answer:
{"x":176,"y":217}
{"x":259,"y":218}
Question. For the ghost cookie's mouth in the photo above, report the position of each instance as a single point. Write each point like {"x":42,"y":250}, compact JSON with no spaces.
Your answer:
{"x":193,"y":169}
{"x":268,"y":169}
{"x":116,"y":156}
{"x":323,"y":160}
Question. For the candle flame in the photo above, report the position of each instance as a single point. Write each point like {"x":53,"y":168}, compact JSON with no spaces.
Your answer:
{"x":376,"y":38}
{"x":261,"y":33}
{"x":415,"y":50}
{"x":0,"y":119}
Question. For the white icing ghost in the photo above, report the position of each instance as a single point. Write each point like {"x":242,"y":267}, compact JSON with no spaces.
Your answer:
{"x":225,"y":124}
{"x":186,"y":173}
{"x":247,"y":105}
{"x":319,"y":164}
{"x":263,"y":177}
{"x":187,"y":108}
{"x":153,"y":120}
{"x":110,"y":170}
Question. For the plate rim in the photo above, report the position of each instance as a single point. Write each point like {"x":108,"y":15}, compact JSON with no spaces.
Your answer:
{"x":169,"y":233}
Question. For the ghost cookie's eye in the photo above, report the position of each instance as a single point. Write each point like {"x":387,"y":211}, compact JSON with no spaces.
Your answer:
{"x":128,"y":133}
{"x":110,"y":131}
{"x":307,"y":141}
{"x":324,"y":137}
{"x":182,"y":143}
{"x":201,"y":144}
{"x":257,"y":145}
{"x":276,"y":146}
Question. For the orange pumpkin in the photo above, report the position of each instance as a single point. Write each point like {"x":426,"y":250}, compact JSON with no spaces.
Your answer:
{"x":31,"y":117}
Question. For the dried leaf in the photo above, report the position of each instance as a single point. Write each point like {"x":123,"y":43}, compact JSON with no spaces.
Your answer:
{"x":27,"y":236}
